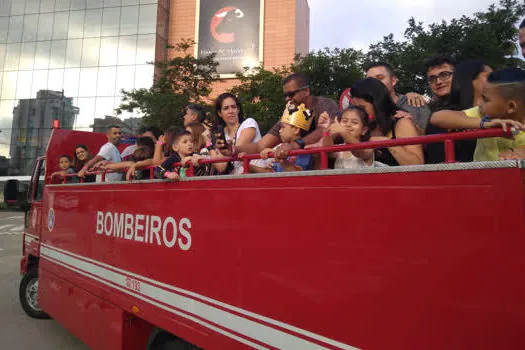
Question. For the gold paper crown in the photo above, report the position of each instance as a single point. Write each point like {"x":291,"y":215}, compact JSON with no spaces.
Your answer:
{"x":297,"y":116}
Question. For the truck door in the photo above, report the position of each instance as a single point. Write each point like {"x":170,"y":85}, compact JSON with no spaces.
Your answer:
{"x":33,"y":216}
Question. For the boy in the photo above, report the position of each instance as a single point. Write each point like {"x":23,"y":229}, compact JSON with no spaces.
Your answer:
{"x":503,"y":105}
{"x":64,"y":163}
{"x":293,"y":121}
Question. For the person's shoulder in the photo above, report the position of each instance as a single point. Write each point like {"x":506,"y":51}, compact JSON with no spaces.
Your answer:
{"x":249,"y":123}
{"x":473,"y":112}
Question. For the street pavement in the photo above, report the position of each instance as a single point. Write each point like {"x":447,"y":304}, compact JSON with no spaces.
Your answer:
{"x":17,"y":330}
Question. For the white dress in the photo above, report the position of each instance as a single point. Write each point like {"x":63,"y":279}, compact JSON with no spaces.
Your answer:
{"x":346,"y":160}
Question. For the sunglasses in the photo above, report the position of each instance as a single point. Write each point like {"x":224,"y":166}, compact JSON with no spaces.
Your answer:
{"x":292,"y":93}
{"x":441,"y":76}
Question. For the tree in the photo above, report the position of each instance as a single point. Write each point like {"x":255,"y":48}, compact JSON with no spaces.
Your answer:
{"x":179,"y":82}
{"x":489,"y":36}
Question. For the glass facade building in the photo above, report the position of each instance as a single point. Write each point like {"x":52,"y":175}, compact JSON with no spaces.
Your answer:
{"x":68,"y":60}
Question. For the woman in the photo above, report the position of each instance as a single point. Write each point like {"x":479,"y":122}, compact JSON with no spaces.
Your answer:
{"x":237,"y":130}
{"x":467,"y":84}
{"x":372,"y":95}
{"x":82,"y":156}
{"x":197,"y":131}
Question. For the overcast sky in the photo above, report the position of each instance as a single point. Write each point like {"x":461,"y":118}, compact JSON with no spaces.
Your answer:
{"x":358,"y":23}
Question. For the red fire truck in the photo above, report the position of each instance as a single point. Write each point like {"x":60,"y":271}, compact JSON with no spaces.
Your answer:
{"x":418,"y":257}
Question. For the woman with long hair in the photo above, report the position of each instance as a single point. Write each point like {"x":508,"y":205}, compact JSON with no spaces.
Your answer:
{"x":467,"y":84}
{"x":372,"y":95}
{"x":82,"y":156}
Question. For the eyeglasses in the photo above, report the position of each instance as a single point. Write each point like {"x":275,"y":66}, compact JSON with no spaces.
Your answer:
{"x":441,"y":76}
{"x":292,"y":93}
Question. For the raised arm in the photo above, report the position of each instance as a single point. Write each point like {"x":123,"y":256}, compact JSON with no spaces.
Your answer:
{"x":89,"y":164}
{"x":407,"y":155}
{"x":454,"y":120}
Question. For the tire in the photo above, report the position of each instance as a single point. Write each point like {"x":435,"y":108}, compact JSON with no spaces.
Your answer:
{"x":161,"y":340}
{"x":28,"y":294}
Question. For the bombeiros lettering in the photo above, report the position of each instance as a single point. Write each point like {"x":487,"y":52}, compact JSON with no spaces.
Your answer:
{"x":146,"y":229}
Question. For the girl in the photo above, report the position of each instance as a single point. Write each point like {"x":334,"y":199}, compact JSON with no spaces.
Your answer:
{"x":354,"y":127}
{"x":237,"y":130}
{"x":372,"y":95}
{"x":82,"y":157}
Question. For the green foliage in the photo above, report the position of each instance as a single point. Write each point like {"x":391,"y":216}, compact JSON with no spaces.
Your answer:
{"x":180,"y":81}
{"x":489,"y":36}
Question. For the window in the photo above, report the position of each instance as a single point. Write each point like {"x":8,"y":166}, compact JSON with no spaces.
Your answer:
{"x":16,"y":26}
{"x":32,"y":6}
{"x":9,"y":85}
{"x":125,"y":78}
{"x":5,"y":8}
{"x":42,"y":54}
{"x":60,"y":25}
{"x":62,"y":5}
{"x":27,"y":56}
{"x":12,"y":57}
{"x":93,"y":23}
{"x":47,"y":5}
{"x":106,"y":81}
{"x":145,"y":49}
{"x":18,"y":7}
{"x":111,"y":3}
{"x":108,"y":51}
{"x":45,"y":26}
{"x":76,"y":27}
{"x":94,"y":4}
{"x":38,"y":181}
{"x":71,"y":81}
{"x":23,"y":86}
{"x":30,"y":28}
{"x":4,"y":27}
{"x":58,"y":54}
{"x":90,"y":52}
{"x":3,"y":48}
{"x":127,"y":49}
{"x":39,"y":81}
{"x":110,"y":21}
{"x":148,"y":19}
{"x":55,"y":80}
{"x":144,"y":76}
{"x":73,"y":53}
{"x":129,"y":20}
{"x":78,"y":4}
{"x":88,"y":82}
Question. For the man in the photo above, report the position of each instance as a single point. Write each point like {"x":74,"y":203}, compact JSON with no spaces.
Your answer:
{"x":384,"y":72}
{"x":108,"y":152}
{"x":149,"y":131}
{"x":522,"y":37}
{"x":296,"y":89}
{"x":440,"y":70}
{"x":194,"y":113}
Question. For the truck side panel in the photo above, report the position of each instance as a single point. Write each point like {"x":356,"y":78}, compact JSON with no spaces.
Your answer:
{"x":406,"y":260}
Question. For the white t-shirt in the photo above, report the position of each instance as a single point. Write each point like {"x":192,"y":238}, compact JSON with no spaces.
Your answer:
{"x":346,"y":160}
{"x":128,"y":151}
{"x":248,"y":123}
{"x":109,"y":152}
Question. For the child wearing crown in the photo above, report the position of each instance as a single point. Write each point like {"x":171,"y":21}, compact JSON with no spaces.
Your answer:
{"x":294,"y":119}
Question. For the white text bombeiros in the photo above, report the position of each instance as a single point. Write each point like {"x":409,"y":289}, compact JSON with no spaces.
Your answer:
{"x":148,"y":229}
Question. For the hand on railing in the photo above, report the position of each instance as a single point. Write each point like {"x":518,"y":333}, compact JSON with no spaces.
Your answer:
{"x":504,"y":124}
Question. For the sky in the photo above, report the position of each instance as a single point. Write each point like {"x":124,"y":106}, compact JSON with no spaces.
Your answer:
{"x":359,"y":23}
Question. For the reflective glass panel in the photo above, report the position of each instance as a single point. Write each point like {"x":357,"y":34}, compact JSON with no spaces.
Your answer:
{"x":71,"y":80}
{"x":76,"y":26}
{"x":18,"y":7}
{"x":111,"y":3}
{"x":130,"y":2}
{"x":148,"y":19}
{"x":145,"y":49}
{"x":106,"y":81}
{"x":78,"y":4}
{"x":5,"y":7}
{"x":73,"y":53}
{"x":3,"y":49}
{"x":124,"y":114}
{"x":88,"y":82}
{"x":108,"y":51}
{"x":125,"y":78}
{"x":56,"y":80}
{"x":127,"y":49}
{"x":45,"y":26}
{"x":104,"y":106}
{"x":12,"y":57}
{"x":47,"y":5}
{"x":30,"y":27}
{"x":86,"y":114}
{"x":58,"y":54}
{"x":39,"y":82}
{"x":62,"y":5}
{"x":90,"y":52}
{"x":23,"y":86}
{"x":16,"y":26}
{"x":148,"y":1}
{"x":60,"y":25}
{"x":32,"y":6}
{"x":27,"y":56}
{"x":4,"y":27}
{"x":9,"y":85}
{"x":129,"y":20}
{"x":6,"y":111}
{"x":93,"y":23}
{"x":144,"y":76}
{"x":42,"y":54}
{"x":94,"y":4}
{"x":110,"y":21}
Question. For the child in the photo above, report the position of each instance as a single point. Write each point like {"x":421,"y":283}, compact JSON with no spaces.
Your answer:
{"x":353,"y":127}
{"x":65,"y":164}
{"x":503,"y":105}
{"x":183,"y":153}
{"x":293,"y":121}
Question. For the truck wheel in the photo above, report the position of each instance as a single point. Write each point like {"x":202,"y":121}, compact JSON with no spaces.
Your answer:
{"x":28,"y":293}
{"x":162,"y":340}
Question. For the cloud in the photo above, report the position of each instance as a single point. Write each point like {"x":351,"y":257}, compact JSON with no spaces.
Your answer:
{"x":340,"y":23}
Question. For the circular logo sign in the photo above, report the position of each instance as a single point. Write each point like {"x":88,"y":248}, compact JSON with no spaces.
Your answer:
{"x":51,"y":219}
{"x":345,"y":100}
{"x":224,"y":22}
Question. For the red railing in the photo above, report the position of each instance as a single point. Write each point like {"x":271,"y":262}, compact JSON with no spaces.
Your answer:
{"x":448,"y":140}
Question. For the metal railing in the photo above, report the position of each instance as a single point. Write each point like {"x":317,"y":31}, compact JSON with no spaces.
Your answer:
{"x":448,"y":139}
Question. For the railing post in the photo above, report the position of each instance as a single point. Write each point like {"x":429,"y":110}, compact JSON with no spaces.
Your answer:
{"x":151,"y":173}
{"x":191,"y":171}
{"x":450,"y":156}
{"x":324,"y":160}
{"x":103,"y":176}
{"x":64,"y":179}
{"x":245,"y":165}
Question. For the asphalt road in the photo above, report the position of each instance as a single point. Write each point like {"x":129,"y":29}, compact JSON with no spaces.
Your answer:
{"x":17,"y":330}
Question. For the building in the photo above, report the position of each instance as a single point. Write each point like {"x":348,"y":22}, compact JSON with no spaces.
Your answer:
{"x":129,"y":126}
{"x":32,"y":125}
{"x":90,"y":50}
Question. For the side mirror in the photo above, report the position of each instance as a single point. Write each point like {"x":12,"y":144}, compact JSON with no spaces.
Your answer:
{"x":11,"y":191}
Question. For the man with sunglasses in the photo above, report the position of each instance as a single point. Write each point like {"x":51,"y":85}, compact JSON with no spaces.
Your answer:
{"x":296,"y":90}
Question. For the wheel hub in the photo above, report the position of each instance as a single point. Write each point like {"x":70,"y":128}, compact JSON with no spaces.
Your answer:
{"x":32,"y":294}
